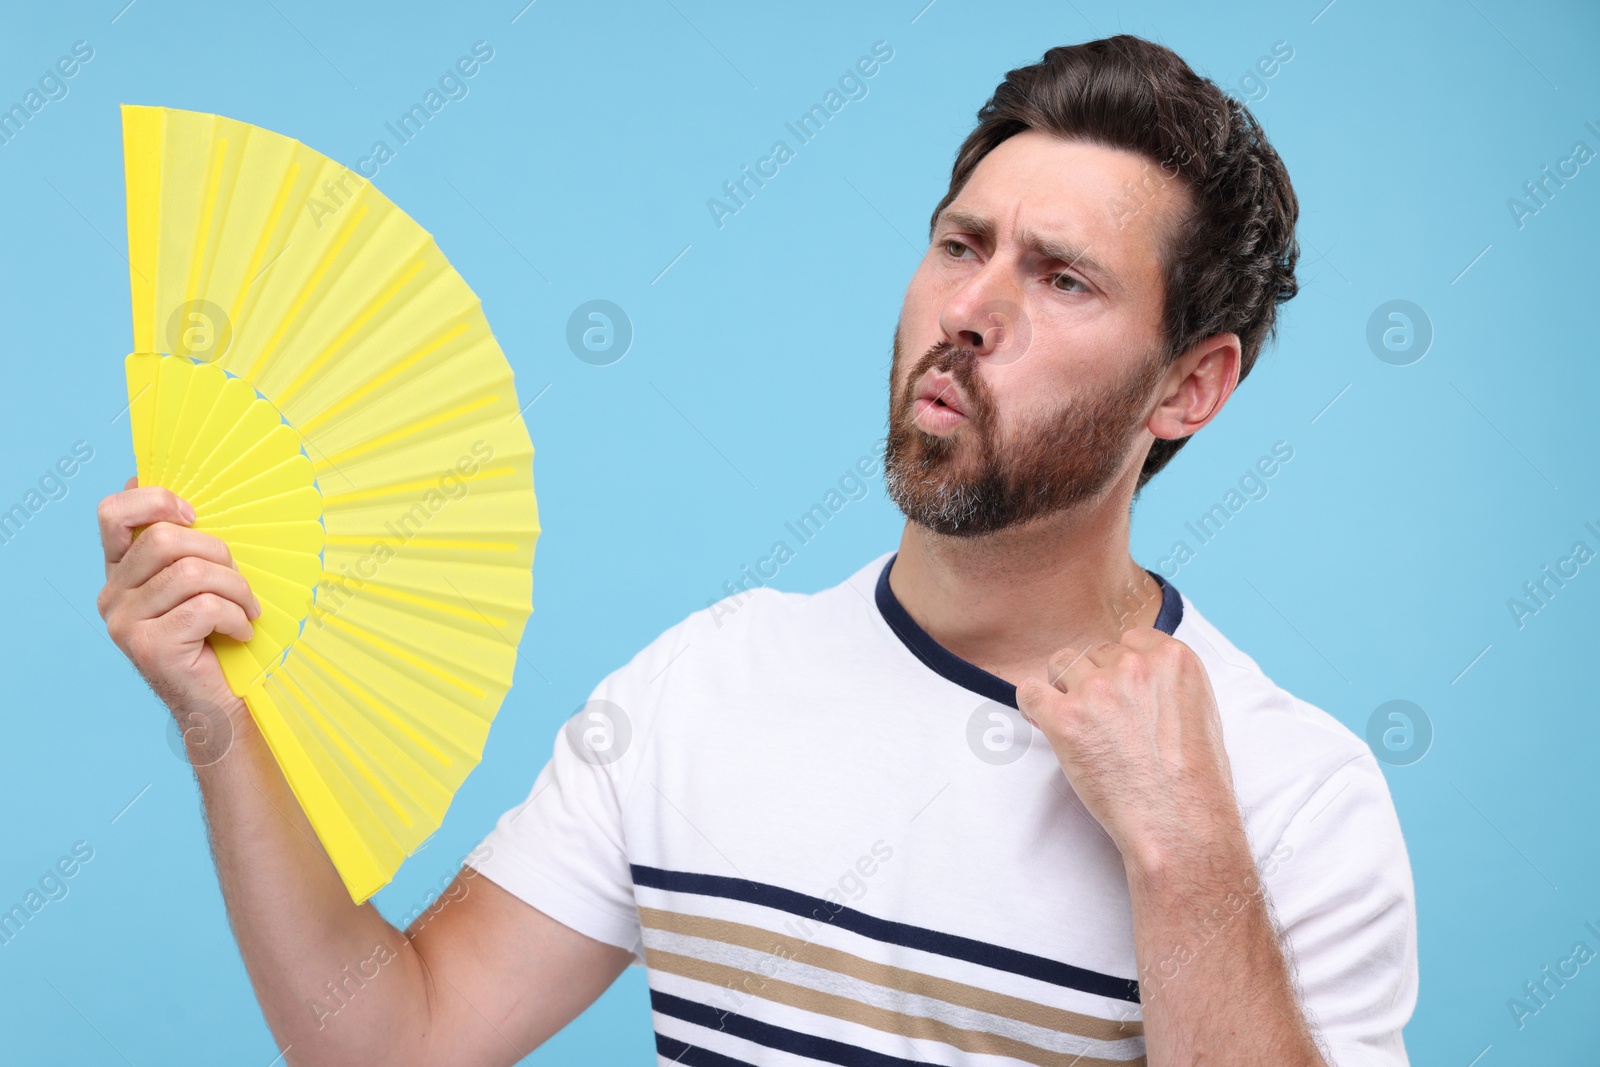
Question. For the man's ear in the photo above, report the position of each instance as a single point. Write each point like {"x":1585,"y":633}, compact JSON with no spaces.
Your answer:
{"x":1196,"y":386}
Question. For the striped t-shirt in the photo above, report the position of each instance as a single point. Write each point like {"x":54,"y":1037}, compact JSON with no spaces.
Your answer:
{"x":831,"y":840}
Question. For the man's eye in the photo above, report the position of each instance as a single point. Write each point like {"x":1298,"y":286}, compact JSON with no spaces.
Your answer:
{"x":1067,"y":277}
{"x":953,"y":243}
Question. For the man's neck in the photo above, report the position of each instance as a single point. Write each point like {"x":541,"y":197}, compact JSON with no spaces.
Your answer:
{"x":1006,"y":601}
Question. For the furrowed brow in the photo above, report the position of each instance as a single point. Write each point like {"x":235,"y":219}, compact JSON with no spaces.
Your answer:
{"x":1061,"y":251}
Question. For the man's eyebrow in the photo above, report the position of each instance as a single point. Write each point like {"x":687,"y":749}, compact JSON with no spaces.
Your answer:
{"x":1077,"y":258}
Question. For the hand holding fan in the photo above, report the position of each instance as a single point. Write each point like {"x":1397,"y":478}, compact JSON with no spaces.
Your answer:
{"x":311,"y":374}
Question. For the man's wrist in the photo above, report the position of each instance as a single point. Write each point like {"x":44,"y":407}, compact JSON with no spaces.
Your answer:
{"x":211,"y":731}
{"x":1215,"y":851}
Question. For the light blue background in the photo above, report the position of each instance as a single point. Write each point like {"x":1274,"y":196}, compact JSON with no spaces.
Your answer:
{"x":1378,"y":568}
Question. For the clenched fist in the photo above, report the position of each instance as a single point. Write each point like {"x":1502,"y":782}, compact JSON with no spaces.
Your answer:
{"x":167,"y":588}
{"x":1134,"y":723}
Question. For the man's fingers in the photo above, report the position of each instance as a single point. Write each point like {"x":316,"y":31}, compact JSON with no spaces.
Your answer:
{"x":122,"y":513}
{"x":162,"y":545}
{"x":1145,"y":638}
{"x":131,"y":482}
{"x":200,"y":616}
{"x":1106,"y":653}
{"x":1066,"y":664}
{"x":1036,"y":697}
{"x":192,"y":576}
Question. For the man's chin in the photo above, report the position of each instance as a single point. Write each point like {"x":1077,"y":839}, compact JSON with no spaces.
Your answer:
{"x":942,"y":442}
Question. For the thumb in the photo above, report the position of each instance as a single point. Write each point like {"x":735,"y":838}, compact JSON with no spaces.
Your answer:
{"x":1027,"y":696}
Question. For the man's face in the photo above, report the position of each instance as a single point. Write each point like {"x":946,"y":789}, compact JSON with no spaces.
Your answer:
{"x":1036,"y":368}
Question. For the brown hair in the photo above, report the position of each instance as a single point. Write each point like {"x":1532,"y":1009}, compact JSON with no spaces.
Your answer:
{"x":1230,"y":261}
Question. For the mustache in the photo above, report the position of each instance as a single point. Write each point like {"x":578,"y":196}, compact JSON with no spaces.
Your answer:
{"x":961,"y":363}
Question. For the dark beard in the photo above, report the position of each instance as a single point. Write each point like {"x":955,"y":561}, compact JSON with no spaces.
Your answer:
{"x":966,"y":484}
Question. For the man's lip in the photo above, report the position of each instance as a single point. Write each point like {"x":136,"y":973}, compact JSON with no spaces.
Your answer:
{"x":934,"y":418}
{"x":936,"y":385}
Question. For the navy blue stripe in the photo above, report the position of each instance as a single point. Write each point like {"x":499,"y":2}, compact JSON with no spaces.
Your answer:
{"x":969,"y":675}
{"x":693,"y":1055}
{"x":782,"y":1038}
{"x":886,"y":930}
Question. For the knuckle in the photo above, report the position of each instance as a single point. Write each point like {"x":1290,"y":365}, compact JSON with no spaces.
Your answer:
{"x":207,"y":604}
{"x":162,"y":536}
{"x":138,"y":645}
{"x":189,"y":569}
{"x":1098,"y":687}
{"x":1176,"y":654}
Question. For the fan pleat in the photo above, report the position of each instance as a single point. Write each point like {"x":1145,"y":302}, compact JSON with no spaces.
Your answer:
{"x":310,"y":735}
{"x":294,"y":472}
{"x":357,"y":760}
{"x":258,"y":429}
{"x":436,"y":732}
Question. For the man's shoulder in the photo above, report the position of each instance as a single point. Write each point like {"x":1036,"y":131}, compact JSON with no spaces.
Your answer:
{"x":734,"y":627}
{"x":1282,"y":747}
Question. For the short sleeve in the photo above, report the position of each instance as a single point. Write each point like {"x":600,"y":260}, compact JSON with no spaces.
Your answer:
{"x":1341,"y":889}
{"x":563,"y":849}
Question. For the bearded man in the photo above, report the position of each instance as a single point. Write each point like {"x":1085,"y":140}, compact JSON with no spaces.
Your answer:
{"x":1002,"y":795}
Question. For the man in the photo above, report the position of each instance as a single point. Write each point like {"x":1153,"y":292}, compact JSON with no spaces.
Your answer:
{"x":1001,"y":796}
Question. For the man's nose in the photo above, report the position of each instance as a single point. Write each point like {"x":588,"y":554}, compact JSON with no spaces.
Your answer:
{"x":987,"y":316}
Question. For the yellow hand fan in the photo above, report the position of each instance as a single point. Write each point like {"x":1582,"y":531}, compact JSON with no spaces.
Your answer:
{"x":313,"y":376}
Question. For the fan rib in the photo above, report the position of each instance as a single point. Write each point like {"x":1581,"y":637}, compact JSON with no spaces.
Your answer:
{"x":336,"y":734}
{"x":418,"y":598}
{"x":143,"y":133}
{"x":376,"y":305}
{"x":417,"y":428}
{"x":307,"y":291}
{"x":200,"y":259}
{"x":232,"y":406}
{"x":402,"y":654}
{"x":339,"y":679}
{"x":327,"y":414}
{"x":274,"y":217}
{"x":379,"y":493}
{"x":431,"y":770}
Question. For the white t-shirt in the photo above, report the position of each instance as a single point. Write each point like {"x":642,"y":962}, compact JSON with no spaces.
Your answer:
{"x":831,"y":840}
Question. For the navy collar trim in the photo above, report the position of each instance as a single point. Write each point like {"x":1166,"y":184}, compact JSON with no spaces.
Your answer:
{"x":969,"y":675}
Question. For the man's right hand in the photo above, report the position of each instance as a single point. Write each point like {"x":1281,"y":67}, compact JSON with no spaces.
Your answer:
{"x":167,"y":588}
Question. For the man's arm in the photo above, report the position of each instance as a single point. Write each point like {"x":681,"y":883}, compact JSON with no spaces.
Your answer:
{"x":1213,"y":979}
{"x":484,"y":980}
{"x":1136,"y":728}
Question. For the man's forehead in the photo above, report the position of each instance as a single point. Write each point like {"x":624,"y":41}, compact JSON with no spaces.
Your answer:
{"x":1108,"y":207}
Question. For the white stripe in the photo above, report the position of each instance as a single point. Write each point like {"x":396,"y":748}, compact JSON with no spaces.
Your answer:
{"x":932,"y":1053}
{"x":932,"y":963}
{"x":784,"y":969}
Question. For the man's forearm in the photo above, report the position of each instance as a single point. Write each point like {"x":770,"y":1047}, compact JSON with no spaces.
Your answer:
{"x":1214,"y":982}
{"x":310,"y":951}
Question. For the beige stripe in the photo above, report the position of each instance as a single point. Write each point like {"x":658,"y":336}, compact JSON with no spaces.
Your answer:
{"x":854,"y":1011}
{"x":883,"y":974}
